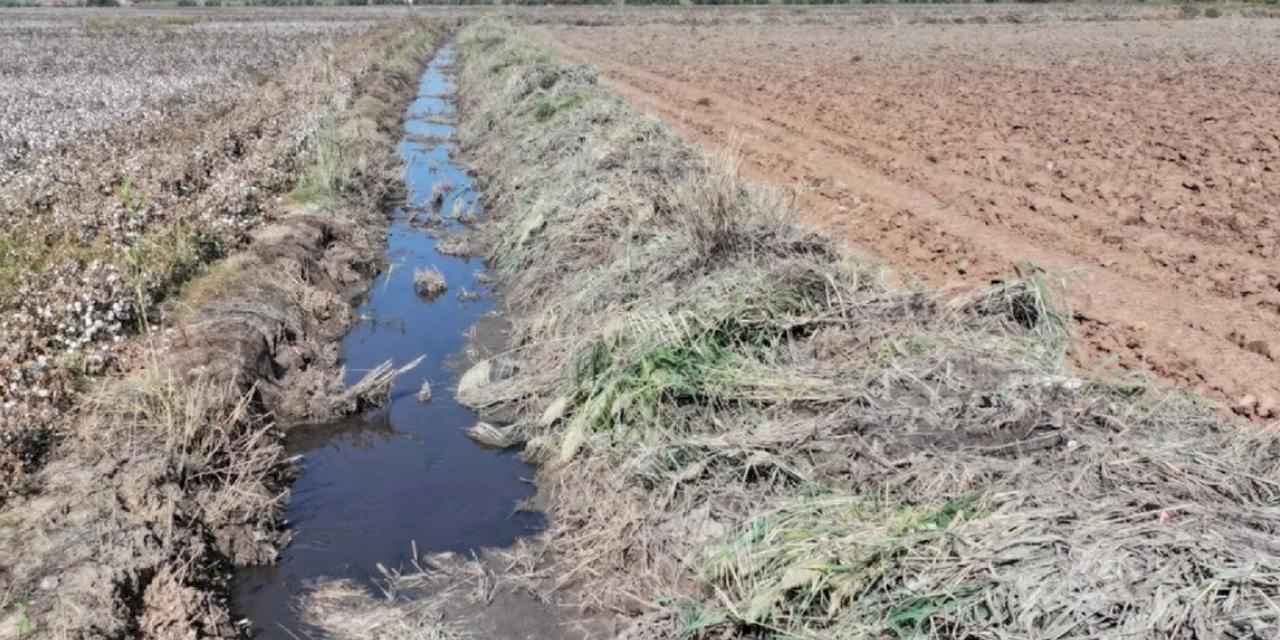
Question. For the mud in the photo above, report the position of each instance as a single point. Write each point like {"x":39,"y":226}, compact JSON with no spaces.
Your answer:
{"x":1134,"y":160}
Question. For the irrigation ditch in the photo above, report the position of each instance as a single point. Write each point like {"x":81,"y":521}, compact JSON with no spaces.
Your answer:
{"x":384,"y":486}
{"x":743,"y":431}
{"x":171,"y":473}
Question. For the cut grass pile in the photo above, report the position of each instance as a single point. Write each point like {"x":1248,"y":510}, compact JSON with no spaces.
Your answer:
{"x":745,"y":432}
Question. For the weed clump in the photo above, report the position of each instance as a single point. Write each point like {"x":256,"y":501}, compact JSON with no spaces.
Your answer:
{"x":455,"y":243}
{"x":328,"y":171}
{"x":429,"y":282}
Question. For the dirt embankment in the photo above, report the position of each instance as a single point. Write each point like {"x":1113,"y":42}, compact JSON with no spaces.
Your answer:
{"x":170,"y":472}
{"x":1138,"y":161}
{"x":743,"y":431}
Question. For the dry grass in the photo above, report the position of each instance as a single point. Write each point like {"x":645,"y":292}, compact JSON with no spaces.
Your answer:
{"x":441,"y":596}
{"x":455,"y":243}
{"x":168,"y":475}
{"x":215,"y":445}
{"x":793,"y":448}
{"x":348,"y":612}
{"x":373,"y":388}
{"x":493,"y":436}
{"x":342,"y":150}
{"x":429,"y":283}
{"x":463,"y":211}
{"x":91,"y":251}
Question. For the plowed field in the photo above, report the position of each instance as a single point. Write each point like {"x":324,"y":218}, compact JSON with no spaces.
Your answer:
{"x":1139,"y":161}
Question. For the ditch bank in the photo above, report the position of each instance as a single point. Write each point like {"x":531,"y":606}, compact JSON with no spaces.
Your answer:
{"x":173,"y":472}
{"x":741,"y":430}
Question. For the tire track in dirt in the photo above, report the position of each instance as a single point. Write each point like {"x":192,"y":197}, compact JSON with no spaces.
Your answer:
{"x":1139,"y":304}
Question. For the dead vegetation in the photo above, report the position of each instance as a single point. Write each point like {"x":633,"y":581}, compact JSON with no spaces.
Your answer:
{"x":98,"y":237}
{"x":348,"y":612}
{"x":441,"y":596}
{"x":429,"y":283}
{"x":373,"y":388}
{"x":792,"y":448}
{"x":455,"y":242}
{"x":167,"y":477}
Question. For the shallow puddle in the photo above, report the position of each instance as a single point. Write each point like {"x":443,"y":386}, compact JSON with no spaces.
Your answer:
{"x":374,"y":485}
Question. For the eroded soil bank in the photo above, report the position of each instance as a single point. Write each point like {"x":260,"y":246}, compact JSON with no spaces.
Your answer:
{"x":170,"y":473}
{"x":743,"y":431}
{"x":404,"y":478}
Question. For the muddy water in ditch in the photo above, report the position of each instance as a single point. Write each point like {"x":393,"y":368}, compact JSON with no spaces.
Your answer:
{"x":373,"y":485}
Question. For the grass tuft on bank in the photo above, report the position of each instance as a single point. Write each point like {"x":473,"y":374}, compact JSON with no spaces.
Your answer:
{"x":743,"y":431}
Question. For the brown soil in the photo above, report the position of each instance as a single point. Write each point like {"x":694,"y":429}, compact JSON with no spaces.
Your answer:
{"x":1139,"y":161}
